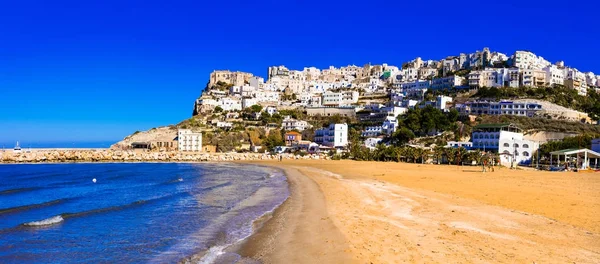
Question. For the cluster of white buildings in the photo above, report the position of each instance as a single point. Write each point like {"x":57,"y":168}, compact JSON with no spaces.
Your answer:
{"x":336,"y":90}
{"x":339,"y":87}
{"x":528,"y":69}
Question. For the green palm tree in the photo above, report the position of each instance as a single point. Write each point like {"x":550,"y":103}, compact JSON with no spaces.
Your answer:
{"x":438,"y":152}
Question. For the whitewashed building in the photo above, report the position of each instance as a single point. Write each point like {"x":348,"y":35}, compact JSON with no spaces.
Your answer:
{"x":292,"y":124}
{"x":188,"y":140}
{"x":446,"y":82}
{"x":518,"y":108}
{"x":505,"y":139}
{"x":554,"y":75}
{"x":335,"y":135}
{"x":230,"y":104}
{"x":371,"y":143}
{"x":344,"y":98}
{"x":442,"y":101}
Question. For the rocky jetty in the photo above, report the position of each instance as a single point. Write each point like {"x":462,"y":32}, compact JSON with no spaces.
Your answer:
{"x":108,"y":155}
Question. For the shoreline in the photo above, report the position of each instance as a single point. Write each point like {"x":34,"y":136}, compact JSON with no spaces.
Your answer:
{"x":291,"y":227}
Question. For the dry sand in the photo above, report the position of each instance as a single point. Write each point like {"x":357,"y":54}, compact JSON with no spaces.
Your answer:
{"x":373,"y":212}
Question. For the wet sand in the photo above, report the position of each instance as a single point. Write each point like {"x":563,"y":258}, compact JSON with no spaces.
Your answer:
{"x":347,"y":211}
{"x":300,"y":230}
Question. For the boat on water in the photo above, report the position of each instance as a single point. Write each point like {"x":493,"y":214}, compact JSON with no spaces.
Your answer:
{"x":17,"y":148}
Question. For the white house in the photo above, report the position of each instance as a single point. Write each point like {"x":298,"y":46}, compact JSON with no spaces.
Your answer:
{"x":371,"y":143}
{"x":293,"y":124}
{"x":446,"y":82}
{"x":528,"y":60}
{"x":188,"y":140}
{"x":271,"y":110}
{"x":505,"y":139}
{"x":554,"y":75}
{"x":256,"y":81}
{"x":336,"y":135}
{"x":224,"y":125}
{"x":441,"y":102}
{"x":340,"y":99}
{"x":458,"y":144}
{"x":230,"y":104}
{"x":418,"y":84}
{"x":247,"y":102}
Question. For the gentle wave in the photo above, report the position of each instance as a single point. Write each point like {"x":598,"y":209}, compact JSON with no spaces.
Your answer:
{"x":18,"y":190}
{"x":60,"y":218}
{"x":30,"y":206}
{"x":46,"y":222}
{"x":121,"y":207}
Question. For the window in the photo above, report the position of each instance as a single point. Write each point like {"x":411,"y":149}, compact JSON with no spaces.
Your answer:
{"x":525,"y":153}
{"x":526,"y":146}
{"x":516,"y":145}
{"x":506,"y":145}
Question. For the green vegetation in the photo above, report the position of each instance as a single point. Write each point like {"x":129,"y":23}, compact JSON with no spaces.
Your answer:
{"x":274,"y":139}
{"x":222,"y":86}
{"x":428,"y":120}
{"x":256,"y":108}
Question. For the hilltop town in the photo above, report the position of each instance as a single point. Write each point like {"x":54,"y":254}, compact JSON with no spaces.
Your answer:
{"x":422,"y":110}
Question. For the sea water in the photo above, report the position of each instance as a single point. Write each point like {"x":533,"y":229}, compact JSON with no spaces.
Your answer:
{"x":133,"y":213}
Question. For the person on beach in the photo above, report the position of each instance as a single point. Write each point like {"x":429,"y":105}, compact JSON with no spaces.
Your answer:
{"x":491,"y":165}
{"x":483,"y":164}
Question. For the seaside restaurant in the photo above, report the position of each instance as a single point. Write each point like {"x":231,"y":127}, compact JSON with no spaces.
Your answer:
{"x":578,"y":154}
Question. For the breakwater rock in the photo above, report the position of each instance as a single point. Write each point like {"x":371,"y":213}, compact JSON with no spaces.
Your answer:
{"x":108,"y":155}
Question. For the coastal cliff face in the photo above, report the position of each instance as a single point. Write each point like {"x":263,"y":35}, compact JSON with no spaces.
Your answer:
{"x":108,"y":155}
{"x":162,"y":134}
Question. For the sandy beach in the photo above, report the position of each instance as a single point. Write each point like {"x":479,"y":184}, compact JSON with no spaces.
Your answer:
{"x":374,"y":212}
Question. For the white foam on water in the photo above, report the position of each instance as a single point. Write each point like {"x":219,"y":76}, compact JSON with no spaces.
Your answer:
{"x":49,"y":221}
{"x":212,"y":254}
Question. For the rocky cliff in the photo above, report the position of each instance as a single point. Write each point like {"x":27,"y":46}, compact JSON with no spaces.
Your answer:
{"x":163,"y":134}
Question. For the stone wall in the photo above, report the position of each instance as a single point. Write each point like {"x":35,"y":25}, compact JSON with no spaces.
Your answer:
{"x":107,"y":155}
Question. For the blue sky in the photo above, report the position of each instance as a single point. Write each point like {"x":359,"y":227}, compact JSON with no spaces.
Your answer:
{"x":81,"y":71}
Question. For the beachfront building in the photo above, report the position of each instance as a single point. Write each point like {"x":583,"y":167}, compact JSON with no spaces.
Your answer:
{"x":292,"y":138}
{"x":335,"y":135}
{"x":188,"y":140}
{"x":505,"y":139}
